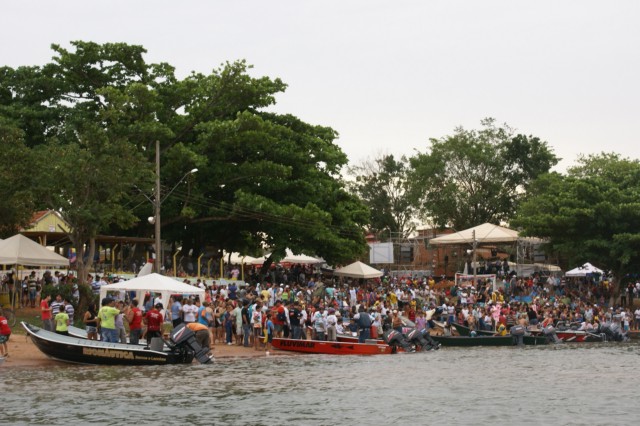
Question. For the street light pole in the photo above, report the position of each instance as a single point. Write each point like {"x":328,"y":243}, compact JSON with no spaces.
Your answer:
{"x":158,"y":201}
{"x":156,"y":204}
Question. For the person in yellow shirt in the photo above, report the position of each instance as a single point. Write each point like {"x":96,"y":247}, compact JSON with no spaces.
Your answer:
{"x":62,"y":323}
{"x":393,"y":300}
{"x":106,"y":320}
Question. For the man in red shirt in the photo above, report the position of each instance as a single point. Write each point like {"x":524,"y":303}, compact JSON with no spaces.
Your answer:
{"x":134,"y":317}
{"x":278,"y":318}
{"x":154,"y":319}
{"x":5,"y":333}
{"x":45,"y":313}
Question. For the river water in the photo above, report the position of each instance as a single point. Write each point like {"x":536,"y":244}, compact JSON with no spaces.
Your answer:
{"x":558,"y":385}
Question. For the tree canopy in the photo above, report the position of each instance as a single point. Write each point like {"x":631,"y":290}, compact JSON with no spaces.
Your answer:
{"x":591,"y":214}
{"x":91,"y":118}
{"x":478,"y":176}
{"x":384,"y":186}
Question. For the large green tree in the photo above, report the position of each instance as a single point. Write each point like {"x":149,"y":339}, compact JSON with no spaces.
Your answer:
{"x":590,"y":214}
{"x":79,"y":115}
{"x":478,"y":176}
{"x":94,"y":114}
{"x":383,"y":184}
{"x":16,"y":180}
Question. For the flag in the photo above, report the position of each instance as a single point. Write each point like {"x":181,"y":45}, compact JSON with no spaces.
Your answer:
{"x":72,"y":255}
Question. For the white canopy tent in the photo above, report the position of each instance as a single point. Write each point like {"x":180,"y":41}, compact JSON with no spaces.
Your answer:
{"x":584,"y":270}
{"x":259,"y":260}
{"x":484,"y":234}
{"x":358,"y":270}
{"x":301,"y":258}
{"x":237,"y":259}
{"x":153,"y":283}
{"x":20,"y":250}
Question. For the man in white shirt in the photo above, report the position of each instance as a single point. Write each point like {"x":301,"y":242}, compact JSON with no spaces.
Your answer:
{"x":189,"y":311}
{"x":303,"y":324}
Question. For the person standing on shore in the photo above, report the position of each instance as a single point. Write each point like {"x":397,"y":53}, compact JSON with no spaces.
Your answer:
{"x":134,"y":317}
{"x":45,"y":313}
{"x":237,"y":322}
{"x":119,"y":322}
{"x":189,"y":312}
{"x":91,"y":322}
{"x":106,"y":320}
{"x":5,"y":333}
{"x":246,"y":323}
{"x":256,"y":323}
{"x":176,"y":310}
{"x":153,"y":319}
{"x":62,"y":322}
{"x":56,"y":306}
{"x":269,"y":331}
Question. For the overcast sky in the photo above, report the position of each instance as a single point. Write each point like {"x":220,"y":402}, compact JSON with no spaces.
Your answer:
{"x":387,"y":75}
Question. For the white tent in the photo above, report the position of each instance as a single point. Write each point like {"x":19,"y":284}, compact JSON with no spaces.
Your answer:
{"x":258,"y":261}
{"x":153,"y":283}
{"x":584,"y":270}
{"x":485,"y":233}
{"x":358,"y":270}
{"x":300,"y":258}
{"x":20,"y":250}
{"x":237,"y":259}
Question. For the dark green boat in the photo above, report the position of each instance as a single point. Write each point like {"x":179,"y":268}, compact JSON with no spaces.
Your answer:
{"x":486,"y":340}
{"x":474,"y":341}
{"x":466,"y":332}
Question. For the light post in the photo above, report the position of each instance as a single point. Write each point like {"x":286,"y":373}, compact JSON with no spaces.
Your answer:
{"x":157,"y":203}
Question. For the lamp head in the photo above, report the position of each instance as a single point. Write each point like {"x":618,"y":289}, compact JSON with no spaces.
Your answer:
{"x":152,"y":220}
{"x":193,"y":170}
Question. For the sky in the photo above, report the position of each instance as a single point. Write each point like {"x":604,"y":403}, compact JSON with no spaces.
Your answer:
{"x":387,"y":75}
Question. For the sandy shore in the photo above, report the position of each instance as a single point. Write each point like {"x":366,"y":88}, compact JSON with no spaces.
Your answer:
{"x":23,"y":353}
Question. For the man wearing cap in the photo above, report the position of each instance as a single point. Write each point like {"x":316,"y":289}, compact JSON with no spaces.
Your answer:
{"x":154,"y":319}
{"x":363,"y":321}
{"x":106,"y":320}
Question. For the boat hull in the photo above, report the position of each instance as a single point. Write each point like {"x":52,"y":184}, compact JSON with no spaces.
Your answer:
{"x":468,"y":341}
{"x":331,"y":348}
{"x":77,"y":350}
{"x":474,"y":341}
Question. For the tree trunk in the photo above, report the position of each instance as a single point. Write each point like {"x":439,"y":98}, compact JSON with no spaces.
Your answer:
{"x":78,"y":241}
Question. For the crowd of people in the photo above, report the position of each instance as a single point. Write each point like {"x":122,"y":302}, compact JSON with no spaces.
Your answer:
{"x":310,"y":306}
{"x":321,"y":309}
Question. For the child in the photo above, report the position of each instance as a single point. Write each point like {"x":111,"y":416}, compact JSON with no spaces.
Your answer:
{"x":62,"y":322}
{"x":270,"y":328}
{"x":5,"y":333}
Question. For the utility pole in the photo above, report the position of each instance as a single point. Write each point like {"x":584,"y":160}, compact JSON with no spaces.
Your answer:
{"x":158,"y":201}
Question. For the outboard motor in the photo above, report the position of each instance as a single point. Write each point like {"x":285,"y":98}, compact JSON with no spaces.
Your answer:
{"x":394,"y":339}
{"x":517,"y":333}
{"x":182,"y":337}
{"x":613,"y":332}
{"x":417,"y":338}
{"x":550,"y":333}
{"x":429,"y":340}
